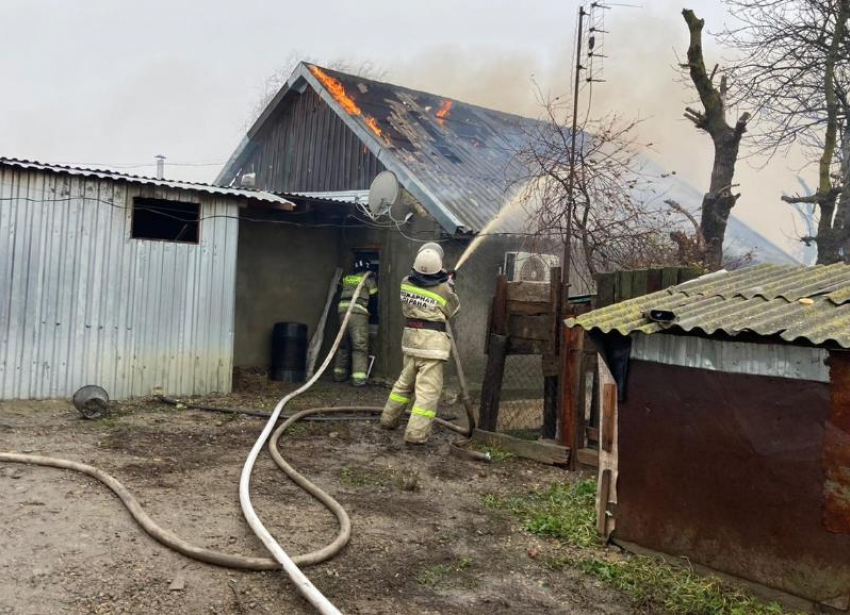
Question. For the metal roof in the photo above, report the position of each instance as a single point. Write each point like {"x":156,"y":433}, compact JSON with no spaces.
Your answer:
{"x":458,"y":159}
{"x":797,"y":304}
{"x":335,"y":196}
{"x":250,"y":195}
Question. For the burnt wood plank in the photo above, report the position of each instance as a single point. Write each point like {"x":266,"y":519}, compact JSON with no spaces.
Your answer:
{"x":529,"y":308}
{"x":528,"y":291}
{"x":544,"y":452}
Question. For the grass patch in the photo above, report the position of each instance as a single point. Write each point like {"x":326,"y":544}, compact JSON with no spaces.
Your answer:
{"x":651,"y":583}
{"x":435,"y":575}
{"x":360,"y":478}
{"x":566,"y":512}
{"x":561,"y":510}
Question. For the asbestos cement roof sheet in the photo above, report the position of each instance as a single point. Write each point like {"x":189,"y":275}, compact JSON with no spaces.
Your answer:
{"x":240,"y":193}
{"x":808,"y":305}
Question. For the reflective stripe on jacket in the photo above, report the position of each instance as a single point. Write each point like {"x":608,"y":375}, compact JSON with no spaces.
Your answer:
{"x":433,"y":303}
{"x":349,"y":285}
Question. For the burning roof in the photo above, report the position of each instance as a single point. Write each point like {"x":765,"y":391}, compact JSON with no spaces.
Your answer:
{"x":458,"y":159}
{"x":337,"y":90}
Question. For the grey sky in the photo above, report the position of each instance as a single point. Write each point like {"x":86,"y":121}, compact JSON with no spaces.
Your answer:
{"x":115,"y":81}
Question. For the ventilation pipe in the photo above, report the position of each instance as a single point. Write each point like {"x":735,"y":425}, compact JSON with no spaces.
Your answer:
{"x":160,"y":166}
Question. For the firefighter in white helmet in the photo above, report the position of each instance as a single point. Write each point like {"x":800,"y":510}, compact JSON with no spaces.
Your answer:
{"x":428,"y":300}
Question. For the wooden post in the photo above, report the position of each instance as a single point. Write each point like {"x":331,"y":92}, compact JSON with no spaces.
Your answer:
{"x":606,"y":421}
{"x":572,"y":351}
{"x":550,"y":408}
{"x":499,"y":323}
{"x":603,"y":495}
{"x":497,"y":347}
{"x":491,"y":387}
{"x":550,"y":362}
{"x":583,"y":392}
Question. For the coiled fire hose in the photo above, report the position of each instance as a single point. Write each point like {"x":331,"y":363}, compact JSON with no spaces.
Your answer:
{"x":281,"y":559}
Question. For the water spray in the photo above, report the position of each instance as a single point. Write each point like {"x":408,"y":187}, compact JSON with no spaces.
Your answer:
{"x":488,"y":230}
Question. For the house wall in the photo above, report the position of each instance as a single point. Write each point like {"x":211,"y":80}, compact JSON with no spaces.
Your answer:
{"x":284,"y":271}
{"x":306,"y":147}
{"x":81,"y":302}
{"x":726,"y":470}
{"x":283,"y":275}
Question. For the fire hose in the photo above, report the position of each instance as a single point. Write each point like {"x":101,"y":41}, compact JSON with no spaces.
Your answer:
{"x":290,"y":564}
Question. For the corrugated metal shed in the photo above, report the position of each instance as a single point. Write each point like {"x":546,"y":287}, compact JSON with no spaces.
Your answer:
{"x":797,"y":304}
{"x":81,"y":302}
{"x":458,"y":160}
{"x":239,"y":193}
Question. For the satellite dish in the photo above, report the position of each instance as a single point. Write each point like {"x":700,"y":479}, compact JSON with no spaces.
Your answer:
{"x":384,"y":193}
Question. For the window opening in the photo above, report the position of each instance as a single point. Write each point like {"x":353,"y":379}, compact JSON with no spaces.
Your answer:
{"x":165,"y":220}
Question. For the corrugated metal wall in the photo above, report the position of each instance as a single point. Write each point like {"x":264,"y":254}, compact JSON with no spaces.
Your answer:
{"x":306,"y":147}
{"x":83,"y":303}
{"x":780,"y":360}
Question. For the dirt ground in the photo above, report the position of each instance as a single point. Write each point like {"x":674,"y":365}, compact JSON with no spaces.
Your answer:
{"x":423,"y":542}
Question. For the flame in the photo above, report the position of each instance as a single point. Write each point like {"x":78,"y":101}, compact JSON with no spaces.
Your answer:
{"x":337,"y":90}
{"x":443,"y":111}
{"x":373,"y":124}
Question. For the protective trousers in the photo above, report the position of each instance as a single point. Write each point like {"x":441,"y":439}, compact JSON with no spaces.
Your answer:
{"x":421,"y":379}
{"x":354,"y":350}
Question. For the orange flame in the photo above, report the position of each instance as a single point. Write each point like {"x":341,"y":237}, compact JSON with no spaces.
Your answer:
{"x":337,"y":90}
{"x":443,"y":111}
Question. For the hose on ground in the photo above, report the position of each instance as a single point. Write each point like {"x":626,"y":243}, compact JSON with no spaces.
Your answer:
{"x":373,"y":412}
{"x":163,"y":536}
{"x":281,"y":558}
{"x":302,"y":583}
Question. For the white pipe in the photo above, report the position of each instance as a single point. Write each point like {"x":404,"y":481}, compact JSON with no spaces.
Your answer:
{"x":302,"y":583}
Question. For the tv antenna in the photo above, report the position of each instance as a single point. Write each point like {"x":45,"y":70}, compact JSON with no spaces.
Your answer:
{"x":384,"y":194}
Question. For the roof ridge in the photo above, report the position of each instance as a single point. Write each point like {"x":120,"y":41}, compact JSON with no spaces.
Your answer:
{"x":426,"y":92}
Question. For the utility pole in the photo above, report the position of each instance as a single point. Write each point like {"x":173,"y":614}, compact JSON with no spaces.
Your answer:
{"x":567,"y":412}
{"x":567,"y":264}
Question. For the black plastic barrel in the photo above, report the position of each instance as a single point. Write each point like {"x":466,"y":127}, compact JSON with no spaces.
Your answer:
{"x":289,"y":352}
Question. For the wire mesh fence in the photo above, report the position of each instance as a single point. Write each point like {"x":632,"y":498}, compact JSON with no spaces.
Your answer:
{"x":521,"y":407}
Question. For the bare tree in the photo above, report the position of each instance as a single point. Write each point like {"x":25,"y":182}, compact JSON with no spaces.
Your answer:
{"x":614,"y":225}
{"x":793,"y":68}
{"x":718,"y":202}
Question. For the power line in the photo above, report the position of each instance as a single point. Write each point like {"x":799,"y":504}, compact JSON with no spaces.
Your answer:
{"x":199,"y":219}
{"x":139,"y":165}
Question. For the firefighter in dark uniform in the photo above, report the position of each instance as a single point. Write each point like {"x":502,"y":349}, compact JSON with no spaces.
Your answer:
{"x":354,"y":350}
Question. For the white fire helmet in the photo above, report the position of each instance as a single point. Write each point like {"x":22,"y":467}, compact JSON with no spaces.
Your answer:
{"x":433,"y":245}
{"x":429,"y":261}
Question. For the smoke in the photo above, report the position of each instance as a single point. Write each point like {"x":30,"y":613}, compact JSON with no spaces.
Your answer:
{"x":642,"y":80}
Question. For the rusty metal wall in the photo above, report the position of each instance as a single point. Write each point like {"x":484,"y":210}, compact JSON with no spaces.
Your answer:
{"x":83,"y":303}
{"x":726,"y":469}
{"x":307,"y":147}
{"x":836,"y":446}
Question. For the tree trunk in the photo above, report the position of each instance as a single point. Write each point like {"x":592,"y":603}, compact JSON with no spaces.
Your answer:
{"x":842,"y":216}
{"x":718,"y":202}
{"x":830,"y":230}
